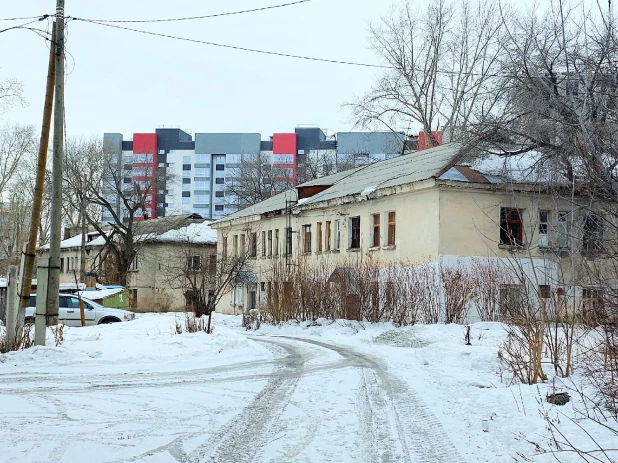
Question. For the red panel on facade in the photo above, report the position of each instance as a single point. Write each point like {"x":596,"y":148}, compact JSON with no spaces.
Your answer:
{"x":284,"y":143}
{"x":424,"y":144}
{"x":145,"y":143}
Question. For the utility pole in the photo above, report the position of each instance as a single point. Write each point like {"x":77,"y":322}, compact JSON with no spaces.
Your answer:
{"x":53,"y":286}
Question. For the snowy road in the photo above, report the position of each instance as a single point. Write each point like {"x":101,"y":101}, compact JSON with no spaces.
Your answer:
{"x":300,"y":400}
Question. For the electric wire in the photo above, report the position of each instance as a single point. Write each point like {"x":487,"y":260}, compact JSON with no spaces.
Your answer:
{"x":189,"y":18}
{"x":40,"y":17}
{"x":234,"y":47}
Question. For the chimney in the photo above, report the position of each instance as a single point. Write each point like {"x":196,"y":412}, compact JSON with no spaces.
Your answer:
{"x":67,"y":233}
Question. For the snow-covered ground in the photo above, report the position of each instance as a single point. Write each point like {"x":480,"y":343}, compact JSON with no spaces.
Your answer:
{"x":338,"y":392}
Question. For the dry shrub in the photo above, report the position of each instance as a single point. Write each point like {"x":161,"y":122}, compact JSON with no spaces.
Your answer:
{"x":58,"y":332}
{"x":163,"y":302}
{"x":458,"y":293}
{"x":486,"y":277}
{"x":190,"y":324}
{"x":24,"y":339}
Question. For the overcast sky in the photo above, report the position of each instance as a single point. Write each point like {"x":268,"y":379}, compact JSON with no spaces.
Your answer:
{"x":120,"y":81}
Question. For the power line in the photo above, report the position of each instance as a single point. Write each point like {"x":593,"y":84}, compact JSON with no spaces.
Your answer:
{"x":23,"y":26}
{"x":40,"y":17}
{"x":265,"y":52}
{"x":188,"y":18}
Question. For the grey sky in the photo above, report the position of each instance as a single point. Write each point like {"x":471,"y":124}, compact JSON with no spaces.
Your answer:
{"x":120,"y":81}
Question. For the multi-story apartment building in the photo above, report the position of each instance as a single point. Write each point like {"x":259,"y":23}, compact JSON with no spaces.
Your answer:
{"x":189,"y":173}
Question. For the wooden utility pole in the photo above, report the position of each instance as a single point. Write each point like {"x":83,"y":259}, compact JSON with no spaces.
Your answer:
{"x":37,"y":201}
{"x":53,"y":284}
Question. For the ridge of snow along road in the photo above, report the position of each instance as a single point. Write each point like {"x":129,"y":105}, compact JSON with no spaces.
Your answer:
{"x":335,"y":391}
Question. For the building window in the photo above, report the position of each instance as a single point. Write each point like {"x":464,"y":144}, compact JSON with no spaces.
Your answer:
{"x":194,"y":263}
{"x":592,"y":237}
{"x":391,"y":228}
{"x":135,"y":263}
{"x":511,"y":227}
{"x":186,"y":180}
{"x":263,"y":244}
{"x":276,"y":246}
{"x":545,"y":291}
{"x":318,"y":244}
{"x":186,"y":194}
{"x":253,"y":245}
{"x":219,"y":167}
{"x":375,"y":230}
{"x":592,"y":304}
{"x":510,"y":300}
{"x":543,"y":229}
{"x":242,"y":245}
{"x":354,"y":233}
{"x":235,"y":245}
{"x":202,"y":158}
{"x":133,"y":298}
{"x":186,"y":200}
{"x":201,"y":172}
{"x":186,"y":160}
{"x":270,"y":243}
{"x":201,"y":185}
{"x":219,"y":194}
{"x":219,"y":181}
{"x":224,"y":250}
{"x":306,"y":238}
{"x":219,"y":207}
{"x":337,"y":242}
{"x":562,"y":239}
{"x":288,"y":241}
{"x":327,"y":236}
{"x":62,"y":265}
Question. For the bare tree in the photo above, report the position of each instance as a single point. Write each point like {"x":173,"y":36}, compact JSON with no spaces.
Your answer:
{"x":124,"y":190}
{"x":11,"y":91}
{"x":441,"y":62}
{"x":17,"y":142}
{"x":257,"y":179}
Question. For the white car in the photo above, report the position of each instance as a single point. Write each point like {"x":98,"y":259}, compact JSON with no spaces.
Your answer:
{"x":68,"y":312}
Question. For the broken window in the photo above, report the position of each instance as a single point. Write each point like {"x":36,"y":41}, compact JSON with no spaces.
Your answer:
{"x":194,"y":263}
{"x":375,"y":230}
{"x":354,"y":232}
{"x":545,"y":291}
{"x":543,"y":229}
{"x":592,"y":237}
{"x":306,"y":238}
{"x":511,"y":227}
{"x":391,"y":228}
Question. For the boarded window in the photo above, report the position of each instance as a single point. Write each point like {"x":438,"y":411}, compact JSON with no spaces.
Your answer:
{"x":355,"y":233}
{"x":327,"y":238}
{"x":375,"y":230}
{"x":318,"y":245}
{"x":306,"y":238}
{"x":391,"y":228}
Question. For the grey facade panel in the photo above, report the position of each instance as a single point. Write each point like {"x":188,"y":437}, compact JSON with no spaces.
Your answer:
{"x":227,"y":143}
{"x":370,"y":142}
{"x":309,"y":138}
{"x":266,"y":145}
{"x":127,"y":145}
{"x":174,"y":139}
{"x":112,"y":143}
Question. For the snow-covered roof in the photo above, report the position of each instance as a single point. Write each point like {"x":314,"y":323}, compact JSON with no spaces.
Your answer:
{"x":100,"y":293}
{"x":76,"y":241}
{"x":195,"y":233}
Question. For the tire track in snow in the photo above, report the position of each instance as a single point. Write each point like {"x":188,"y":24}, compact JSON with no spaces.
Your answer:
{"x":242,"y":439}
{"x":421,"y":437}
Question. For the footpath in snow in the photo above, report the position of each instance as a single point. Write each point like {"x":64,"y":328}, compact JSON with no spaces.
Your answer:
{"x":332,"y":392}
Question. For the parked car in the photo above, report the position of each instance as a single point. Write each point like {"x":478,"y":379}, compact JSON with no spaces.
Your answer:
{"x":68,"y":312}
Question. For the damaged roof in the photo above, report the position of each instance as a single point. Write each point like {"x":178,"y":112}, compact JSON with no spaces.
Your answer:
{"x":447,"y":162}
